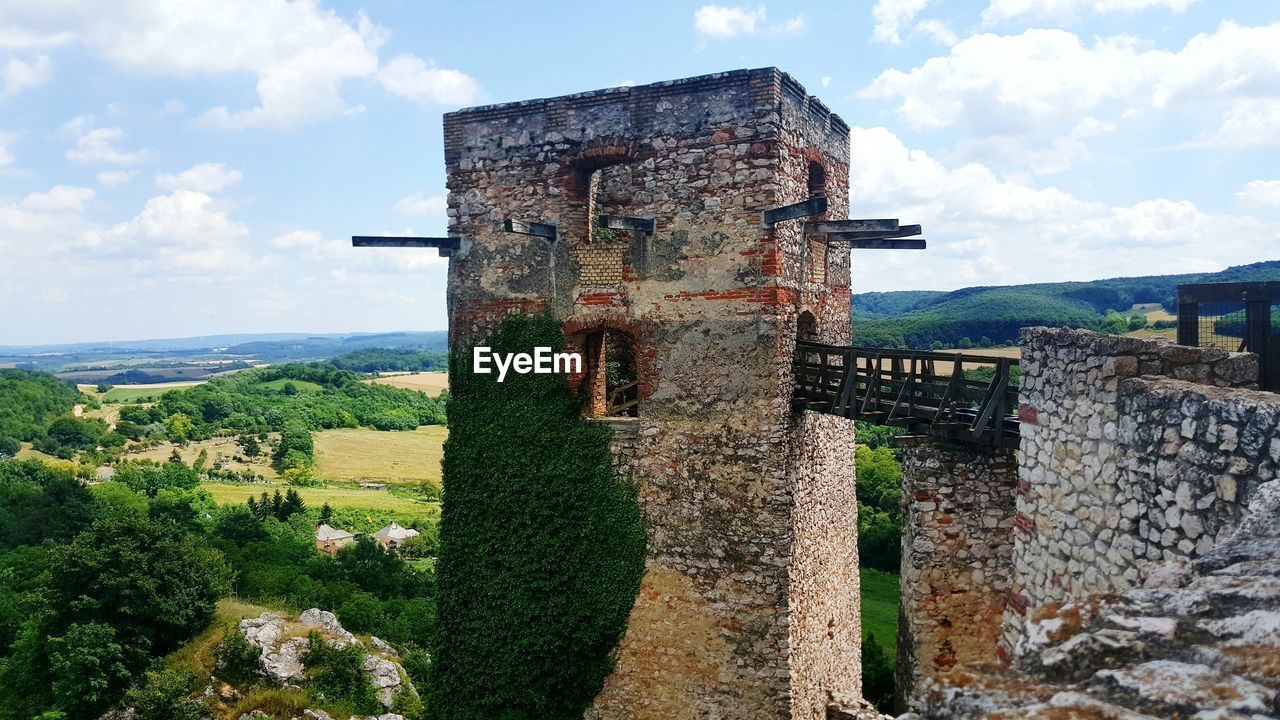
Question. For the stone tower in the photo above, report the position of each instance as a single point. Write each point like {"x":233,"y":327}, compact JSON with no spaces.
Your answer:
{"x":749,"y":603}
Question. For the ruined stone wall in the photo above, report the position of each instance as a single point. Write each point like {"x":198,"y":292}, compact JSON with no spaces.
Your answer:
{"x":957,"y":557}
{"x":1133,"y":452}
{"x":711,"y":299}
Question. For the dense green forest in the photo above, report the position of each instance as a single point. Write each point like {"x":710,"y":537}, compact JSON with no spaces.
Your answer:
{"x":30,"y":403}
{"x":392,"y":360}
{"x":98,"y":585}
{"x":980,"y":316}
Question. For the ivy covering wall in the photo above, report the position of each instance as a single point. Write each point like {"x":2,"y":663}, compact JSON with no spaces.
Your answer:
{"x":542,"y":545}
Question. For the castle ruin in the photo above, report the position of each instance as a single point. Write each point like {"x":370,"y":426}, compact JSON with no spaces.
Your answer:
{"x":636,"y":217}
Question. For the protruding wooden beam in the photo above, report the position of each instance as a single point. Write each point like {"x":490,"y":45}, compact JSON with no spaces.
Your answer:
{"x":882,"y":228}
{"x":883,"y":243}
{"x":812,"y":206}
{"x":446,"y":245}
{"x":542,"y":230}
{"x":903,"y":231}
{"x":621,"y":222}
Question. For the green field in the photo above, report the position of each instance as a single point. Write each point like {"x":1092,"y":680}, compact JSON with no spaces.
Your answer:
{"x":364,"y":455}
{"x":880,"y":609}
{"x":143,"y":393}
{"x":299,"y":384}
{"x":337,"y":496}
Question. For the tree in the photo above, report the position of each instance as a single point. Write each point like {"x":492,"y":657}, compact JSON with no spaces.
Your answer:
{"x":289,"y":389}
{"x":154,"y":584}
{"x":295,"y":438}
{"x":292,"y":504}
{"x":520,"y":456}
{"x":179,"y":428}
{"x":9,"y":445}
{"x":88,"y":668}
{"x":1137,"y":322}
{"x":103,"y":388}
{"x":249,"y":444}
{"x":326,"y":513}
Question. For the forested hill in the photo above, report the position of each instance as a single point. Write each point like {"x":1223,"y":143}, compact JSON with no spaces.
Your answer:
{"x":919,"y":319}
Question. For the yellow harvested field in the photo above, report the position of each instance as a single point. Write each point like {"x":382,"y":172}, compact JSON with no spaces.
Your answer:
{"x":428,"y":382}
{"x":338,"y":497}
{"x":364,"y":455}
{"x":1153,"y":311}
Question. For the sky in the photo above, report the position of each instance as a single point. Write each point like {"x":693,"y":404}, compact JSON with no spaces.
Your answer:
{"x":194,"y":167}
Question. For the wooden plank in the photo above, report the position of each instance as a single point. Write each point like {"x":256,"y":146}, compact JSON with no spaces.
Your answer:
{"x":444,"y":243}
{"x":901,"y":232}
{"x":880,"y":227}
{"x":542,"y":230}
{"x":812,"y":206}
{"x":621,"y":222}
{"x":882,"y":243}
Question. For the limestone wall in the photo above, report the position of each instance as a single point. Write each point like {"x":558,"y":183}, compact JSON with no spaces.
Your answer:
{"x":1132,"y":452}
{"x":957,"y":549}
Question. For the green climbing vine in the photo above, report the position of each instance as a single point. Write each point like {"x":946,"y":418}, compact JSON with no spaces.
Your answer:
{"x":542,"y":545}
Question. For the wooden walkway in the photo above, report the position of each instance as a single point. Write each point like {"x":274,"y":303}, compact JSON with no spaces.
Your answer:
{"x":928,"y":393}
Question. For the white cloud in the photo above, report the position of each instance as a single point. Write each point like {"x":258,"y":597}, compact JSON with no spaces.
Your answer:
{"x":18,"y":75}
{"x":1063,"y":153}
{"x":894,"y":16}
{"x":6,"y":155}
{"x":297,"y":239}
{"x":1066,"y":10}
{"x":184,"y":223}
{"x":1260,"y":194}
{"x":937,"y":31}
{"x":60,"y":198}
{"x":421,"y":81}
{"x":826,"y":80}
{"x":994,"y":84}
{"x":205,"y":177}
{"x":728,"y":21}
{"x":98,"y":146}
{"x":417,"y":204}
{"x":1248,"y":123}
{"x":115,"y":178}
{"x":299,"y":52}
{"x":985,"y":229}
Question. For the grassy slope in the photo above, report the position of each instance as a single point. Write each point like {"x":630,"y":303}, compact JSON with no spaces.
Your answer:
{"x":428,"y":382}
{"x":880,"y":609}
{"x":371,"y":455}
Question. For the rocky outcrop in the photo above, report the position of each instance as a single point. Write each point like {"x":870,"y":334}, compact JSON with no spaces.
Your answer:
{"x":1198,"y":640}
{"x":284,"y":644}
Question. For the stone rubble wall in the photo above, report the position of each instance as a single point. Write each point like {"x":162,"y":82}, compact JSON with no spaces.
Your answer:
{"x":957,"y":557}
{"x":1198,"y":640}
{"x":1133,"y":452}
{"x":711,"y":300}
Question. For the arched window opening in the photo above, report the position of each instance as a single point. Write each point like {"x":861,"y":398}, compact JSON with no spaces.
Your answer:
{"x":817,"y":180}
{"x":807,"y":327}
{"x":609,"y":192}
{"x":611,"y":383}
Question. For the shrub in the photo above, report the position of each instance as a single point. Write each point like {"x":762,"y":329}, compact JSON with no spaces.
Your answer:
{"x":236,"y":660}
{"x":878,"y":682}
{"x":166,"y":695}
{"x":338,"y":676}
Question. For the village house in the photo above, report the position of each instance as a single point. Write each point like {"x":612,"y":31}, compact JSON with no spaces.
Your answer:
{"x":393,"y":536}
{"x":331,"y":539}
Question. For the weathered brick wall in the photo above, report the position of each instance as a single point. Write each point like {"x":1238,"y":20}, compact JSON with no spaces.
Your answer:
{"x":1133,"y":452}
{"x":957,"y":556}
{"x":725,"y":623}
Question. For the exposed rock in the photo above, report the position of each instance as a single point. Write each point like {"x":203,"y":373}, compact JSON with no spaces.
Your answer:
{"x":316,"y":715}
{"x":255,"y":715}
{"x":1168,"y":688}
{"x":381,"y":645}
{"x":328,"y":622}
{"x":385,"y":676}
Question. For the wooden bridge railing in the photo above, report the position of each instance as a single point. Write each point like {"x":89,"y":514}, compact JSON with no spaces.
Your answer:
{"x":925,"y":392}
